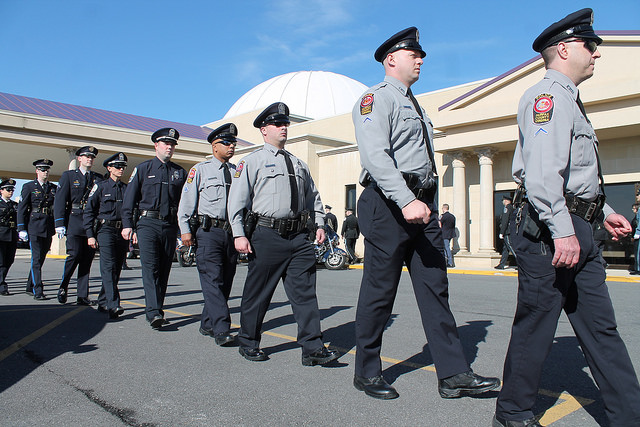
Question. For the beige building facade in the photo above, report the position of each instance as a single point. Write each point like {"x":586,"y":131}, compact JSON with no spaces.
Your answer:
{"x":475,"y":136}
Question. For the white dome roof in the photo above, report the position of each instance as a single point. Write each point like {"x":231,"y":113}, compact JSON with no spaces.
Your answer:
{"x":312,"y":94}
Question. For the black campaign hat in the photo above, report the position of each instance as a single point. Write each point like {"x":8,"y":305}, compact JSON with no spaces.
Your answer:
{"x":278,"y":112}
{"x":8,"y":183}
{"x":43,"y":163}
{"x":169,"y":135}
{"x":87,"y":150}
{"x":577,"y":24}
{"x":118,"y":158}
{"x":405,"y":39}
{"x":226,"y":132}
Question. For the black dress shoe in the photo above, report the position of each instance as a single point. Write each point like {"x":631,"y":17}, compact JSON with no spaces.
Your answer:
{"x":224,"y":339}
{"x":253,"y":354}
{"x":119,"y":310}
{"x":41,"y":297}
{"x":113,"y":314}
{"x":62,"y":296}
{"x":634,"y":273}
{"x":499,"y":422}
{"x":5,"y":293}
{"x":126,"y":267}
{"x":157,"y":322}
{"x":84,"y":301}
{"x":207,"y":332}
{"x":102,"y":309}
{"x":319,"y":357}
{"x":375,"y":387}
{"x":500,"y":267}
{"x":466,"y":383}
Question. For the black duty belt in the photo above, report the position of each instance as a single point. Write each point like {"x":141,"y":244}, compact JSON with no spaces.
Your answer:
{"x":9,"y":224}
{"x":206,"y":222}
{"x":78,"y":206}
{"x":44,"y":210}
{"x":589,"y":211}
{"x":284,"y":226}
{"x":171,"y":218}
{"x":413,"y":183}
{"x":111,"y":223}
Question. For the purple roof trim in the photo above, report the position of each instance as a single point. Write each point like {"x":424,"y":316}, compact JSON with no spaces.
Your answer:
{"x":41,"y":107}
{"x":513,"y":70}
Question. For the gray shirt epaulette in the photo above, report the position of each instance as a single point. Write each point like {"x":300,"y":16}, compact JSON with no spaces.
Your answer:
{"x":556,"y":151}
{"x":389,"y":135}
{"x":261,"y":184}
{"x":204,"y":192}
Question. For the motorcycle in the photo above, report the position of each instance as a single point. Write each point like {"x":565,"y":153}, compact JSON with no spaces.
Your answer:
{"x":186,"y":254}
{"x":329,"y":254}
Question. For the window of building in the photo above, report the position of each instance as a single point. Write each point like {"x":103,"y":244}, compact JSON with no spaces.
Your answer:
{"x":350,"y":198}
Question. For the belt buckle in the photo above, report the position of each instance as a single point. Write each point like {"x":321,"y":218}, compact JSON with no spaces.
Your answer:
{"x":590,"y":211}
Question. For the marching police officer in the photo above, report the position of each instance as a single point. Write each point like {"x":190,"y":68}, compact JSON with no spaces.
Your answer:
{"x":103,"y":225}
{"x":330,"y":219}
{"x":35,"y":223}
{"x":73,"y":191}
{"x":278,"y":191}
{"x":203,"y":205}
{"x":350,"y":232}
{"x":398,"y":217}
{"x":154,"y":190}
{"x":556,"y":162}
{"x":8,"y":231}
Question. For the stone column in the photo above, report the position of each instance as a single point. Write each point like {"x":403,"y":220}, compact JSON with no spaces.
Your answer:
{"x":459,"y":208}
{"x":485,"y":159}
{"x":73,"y":161}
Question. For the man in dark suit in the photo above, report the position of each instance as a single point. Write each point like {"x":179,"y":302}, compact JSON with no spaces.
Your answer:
{"x":350,"y":232}
{"x":504,"y":226}
{"x":448,"y":225}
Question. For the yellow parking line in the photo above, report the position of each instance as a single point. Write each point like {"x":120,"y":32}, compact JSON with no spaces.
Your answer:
{"x":37,"y":334}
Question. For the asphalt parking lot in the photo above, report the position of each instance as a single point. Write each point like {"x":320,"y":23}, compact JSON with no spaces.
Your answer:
{"x":68,"y":365}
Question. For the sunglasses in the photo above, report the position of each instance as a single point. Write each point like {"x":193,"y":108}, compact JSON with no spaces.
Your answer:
{"x":43,"y":169}
{"x":9,"y":189}
{"x":280,"y":124}
{"x":590,"y":45}
{"x":118,"y":166}
{"x":227,"y":143}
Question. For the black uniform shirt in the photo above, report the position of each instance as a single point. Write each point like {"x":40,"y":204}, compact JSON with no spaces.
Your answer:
{"x":73,"y":190}
{"x":35,"y":210}
{"x":105,"y":202}
{"x":145,"y":185}
{"x":8,"y":220}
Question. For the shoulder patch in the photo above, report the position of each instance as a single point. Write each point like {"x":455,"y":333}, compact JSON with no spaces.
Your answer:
{"x":239,"y":169}
{"x":543,"y":108}
{"x":366,"y":104}
{"x":93,"y":189}
{"x":192,"y":174}
{"x":135,"y":170}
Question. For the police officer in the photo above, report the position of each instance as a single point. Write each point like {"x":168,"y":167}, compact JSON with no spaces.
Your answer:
{"x":154,"y":190}
{"x":503,"y":235}
{"x":103,"y":225}
{"x":73,"y":191}
{"x":277,"y":189}
{"x":556,"y":162}
{"x":330,"y":219}
{"x":350,"y":232}
{"x":398,"y":217}
{"x":8,"y":231}
{"x":35,"y":223}
{"x":204,"y":204}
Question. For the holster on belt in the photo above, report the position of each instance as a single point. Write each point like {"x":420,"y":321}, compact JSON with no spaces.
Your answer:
{"x":250,"y":222}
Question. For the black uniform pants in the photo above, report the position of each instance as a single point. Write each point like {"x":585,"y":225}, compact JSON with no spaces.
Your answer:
{"x":113,"y":250}
{"x":39,"y":248}
{"x":216,"y":262}
{"x":7,"y":256}
{"x":390,"y":241}
{"x":543,"y":292}
{"x":157,"y":243}
{"x":506,"y":250}
{"x":351,"y":248}
{"x":80,"y":255}
{"x":293,"y":260}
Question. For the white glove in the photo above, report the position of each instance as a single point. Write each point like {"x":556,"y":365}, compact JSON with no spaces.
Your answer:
{"x":636,"y":237}
{"x":501,"y":236}
{"x":23,"y":236}
{"x":61,"y":231}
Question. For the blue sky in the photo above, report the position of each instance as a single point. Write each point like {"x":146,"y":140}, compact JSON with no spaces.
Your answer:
{"x":189,"y":61}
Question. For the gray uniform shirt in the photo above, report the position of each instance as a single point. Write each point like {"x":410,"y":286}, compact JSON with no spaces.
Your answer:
{"x":389,"y":135}
{"x":556,"y":151}
{"x":261,"y":184}
{"x":204,"y":192}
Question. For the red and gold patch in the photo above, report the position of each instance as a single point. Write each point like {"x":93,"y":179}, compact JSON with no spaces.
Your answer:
{"x":366,"y":104}
{"x":543,"y":108}
{"x":239,"y":169}
{"x":192,"y":174}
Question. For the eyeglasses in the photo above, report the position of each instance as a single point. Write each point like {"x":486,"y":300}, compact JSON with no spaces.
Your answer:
{"x":227,"y":143}
{"x":9,"y":189}
{"x":590,"y":45}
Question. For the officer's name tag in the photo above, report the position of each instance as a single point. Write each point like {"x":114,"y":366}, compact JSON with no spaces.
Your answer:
{"x":151,"y":176}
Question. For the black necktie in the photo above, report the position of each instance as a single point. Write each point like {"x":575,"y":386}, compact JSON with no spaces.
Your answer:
{"x":118,"y":200}
{"x":164,"y":191}
{"x":292,"y":181}
{"x":227,"y":185}
{"x":595,"y":145}
{"x":425,"y":135}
